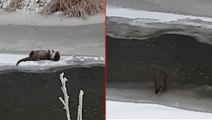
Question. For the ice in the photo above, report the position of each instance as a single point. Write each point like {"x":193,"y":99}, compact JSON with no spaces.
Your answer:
{"x":9,"y":60}
{"x":162,"y":17}
{"x":36,"y":19}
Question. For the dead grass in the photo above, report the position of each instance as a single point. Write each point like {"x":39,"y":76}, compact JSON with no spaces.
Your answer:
{"x":70,"y":8}
{"x":14,"y":4}
{"x":74,"y":8}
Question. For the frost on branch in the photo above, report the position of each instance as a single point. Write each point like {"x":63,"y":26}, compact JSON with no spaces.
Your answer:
{"x":65,"y":101}
{"x":66,"y":97}
{"x":79,"y":116}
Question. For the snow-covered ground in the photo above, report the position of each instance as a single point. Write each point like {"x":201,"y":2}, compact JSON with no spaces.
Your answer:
{"x":126,"y":110}
{"x":35,"y":31}
{"x":8,"y":61}
{"x":26,"y":29}
{"x":68,"y":40}
{"x":140,"y":24}
{"x":192,"y":97}
{"x":161,"y":17}
{"x":186,"y":7}
{"x":140,"y":17}
{"x":29,"y":13}
{"x":35,"y":19}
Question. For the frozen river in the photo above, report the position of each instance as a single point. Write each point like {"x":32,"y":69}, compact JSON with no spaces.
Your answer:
{"x":69,"y":40}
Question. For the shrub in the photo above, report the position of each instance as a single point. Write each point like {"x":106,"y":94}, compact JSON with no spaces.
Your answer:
{"x":74,"y":8}
{"x":70,"y":8}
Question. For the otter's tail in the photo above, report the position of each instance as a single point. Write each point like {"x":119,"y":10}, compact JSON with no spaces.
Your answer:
{"x":24,"y":59}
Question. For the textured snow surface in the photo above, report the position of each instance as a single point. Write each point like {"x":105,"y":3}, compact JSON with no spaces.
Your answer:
{"x":162,"y":17}
{"x":127,"y":110}
{"x":8,"y":61}
{"x":140,"y":24}
{"x":36,"y":19}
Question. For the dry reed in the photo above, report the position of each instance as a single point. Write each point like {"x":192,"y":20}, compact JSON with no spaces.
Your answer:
{"x":74,"y":8}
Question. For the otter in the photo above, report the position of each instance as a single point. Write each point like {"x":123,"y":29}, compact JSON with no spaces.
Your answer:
{"x":160,"y":82}
{"x":41,"y":55}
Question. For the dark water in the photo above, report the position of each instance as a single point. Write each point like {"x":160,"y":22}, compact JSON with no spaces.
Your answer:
{"x":132,"y":64}
{"x":34,"y":96}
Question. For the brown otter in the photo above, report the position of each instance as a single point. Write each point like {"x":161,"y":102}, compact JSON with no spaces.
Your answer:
{"x":41,"y":55}
{"x":160,"y":82}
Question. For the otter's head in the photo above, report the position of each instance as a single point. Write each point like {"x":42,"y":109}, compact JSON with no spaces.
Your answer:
{"x":160,"y":82}
{"x":55,"y":56}
{"x":159,"y":89}
{"x":156,"y":90}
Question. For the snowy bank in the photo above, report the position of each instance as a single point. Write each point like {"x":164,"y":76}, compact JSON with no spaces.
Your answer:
{"x":113,"y":11}
{"x":69,"y":8}
{"x":74,"y":40}
{"x":127,"y":110}
{"x":8,"y":61}
{"x":35,"y":19}
{"x":139,"y":24}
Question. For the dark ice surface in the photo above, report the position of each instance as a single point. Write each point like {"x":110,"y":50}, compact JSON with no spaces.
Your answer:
{"x":132,"y":64}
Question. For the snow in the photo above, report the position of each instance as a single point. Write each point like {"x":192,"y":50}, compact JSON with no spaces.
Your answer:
{"x":31,"y":10}
{"x":35,"y":19}
{"x":69,"y":35}
{"x":112,"y":11}
{"x":141,"y":24}
{"x":126,"y":110}
{"x":9,"y":60}
{"x":29,"y":14}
